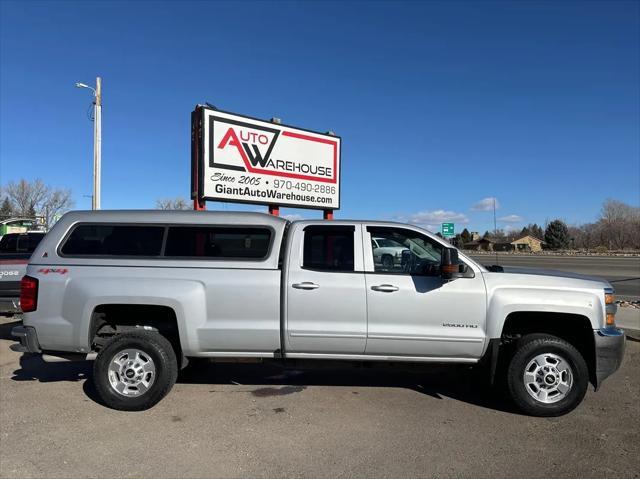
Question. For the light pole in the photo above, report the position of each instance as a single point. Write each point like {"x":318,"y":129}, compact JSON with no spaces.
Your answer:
{"x":97,"y":139}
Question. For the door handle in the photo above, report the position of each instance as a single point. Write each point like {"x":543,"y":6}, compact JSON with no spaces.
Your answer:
{"x":385,"y":288}
{"x":305,"y":285}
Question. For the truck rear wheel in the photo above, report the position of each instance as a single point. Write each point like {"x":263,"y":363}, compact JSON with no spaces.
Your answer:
{"x":135,"y":370}
{"x":547,"y":376}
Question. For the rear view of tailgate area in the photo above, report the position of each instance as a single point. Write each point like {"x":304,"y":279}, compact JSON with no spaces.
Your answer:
{"x":12,"y":268}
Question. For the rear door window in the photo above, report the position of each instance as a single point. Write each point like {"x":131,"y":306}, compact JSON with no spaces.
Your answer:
{"x":329,"y":248}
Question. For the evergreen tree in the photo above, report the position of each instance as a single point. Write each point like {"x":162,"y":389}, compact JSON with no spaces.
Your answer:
{"x":6,"y":210}
{"x":537,"y":231}
{"x":557,"y":235}
{"x":465,"y":236}
{"x":533,"y":230}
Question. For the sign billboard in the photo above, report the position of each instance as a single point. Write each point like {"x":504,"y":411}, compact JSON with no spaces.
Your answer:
{"x":243,"y":159}
{"x":447,"y":229}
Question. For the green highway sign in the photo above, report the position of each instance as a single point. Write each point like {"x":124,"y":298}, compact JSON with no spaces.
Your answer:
{"x":447,"y":229}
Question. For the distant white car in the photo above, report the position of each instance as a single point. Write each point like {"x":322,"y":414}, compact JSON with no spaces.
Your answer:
{"x":387,"y":252}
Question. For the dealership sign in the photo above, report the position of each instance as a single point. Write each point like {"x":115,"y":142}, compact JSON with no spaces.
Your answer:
{"x":243,"y":159}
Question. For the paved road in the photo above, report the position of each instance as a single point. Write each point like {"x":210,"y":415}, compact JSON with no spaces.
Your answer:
{"x":256,"y":421}
{"x":622,"y":272}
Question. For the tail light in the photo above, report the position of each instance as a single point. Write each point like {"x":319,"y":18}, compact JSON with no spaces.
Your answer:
{"x":28,"y":294}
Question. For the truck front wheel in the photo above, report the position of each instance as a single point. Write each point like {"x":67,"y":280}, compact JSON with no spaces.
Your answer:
{"x":135,"y":370}
{"x":547,"y":376}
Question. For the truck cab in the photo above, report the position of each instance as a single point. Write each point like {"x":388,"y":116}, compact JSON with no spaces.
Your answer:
{"x":404,"y":311}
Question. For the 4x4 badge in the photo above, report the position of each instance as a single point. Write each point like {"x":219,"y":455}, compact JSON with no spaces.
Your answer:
{"x":53,"y":270}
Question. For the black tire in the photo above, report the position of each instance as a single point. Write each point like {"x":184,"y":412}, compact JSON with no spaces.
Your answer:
{"x":528,"y":348}
{"x":159,"y":351}
{"x":387,"y":261}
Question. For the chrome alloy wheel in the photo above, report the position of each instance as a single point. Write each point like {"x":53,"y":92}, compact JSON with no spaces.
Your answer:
{"x":548,"y":378}
{"x":131,"y":372}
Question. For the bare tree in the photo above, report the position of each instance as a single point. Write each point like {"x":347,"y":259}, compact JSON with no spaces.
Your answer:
{"x":25,"y":196}
{"x":58,"y":202}
{"x":172,"y":204}
{"x":38,"y":199}
{"x":620,"y":223}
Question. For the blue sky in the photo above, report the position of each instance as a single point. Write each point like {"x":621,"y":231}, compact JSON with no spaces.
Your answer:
{"x":439,"y":104}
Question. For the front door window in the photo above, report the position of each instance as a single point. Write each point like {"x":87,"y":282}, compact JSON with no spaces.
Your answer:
{"x":400,"y":251}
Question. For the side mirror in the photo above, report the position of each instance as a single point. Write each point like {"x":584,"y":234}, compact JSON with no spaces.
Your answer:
{"x":449,"y":264}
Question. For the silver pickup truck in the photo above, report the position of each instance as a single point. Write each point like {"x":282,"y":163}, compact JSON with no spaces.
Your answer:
{"x":148,"y":290}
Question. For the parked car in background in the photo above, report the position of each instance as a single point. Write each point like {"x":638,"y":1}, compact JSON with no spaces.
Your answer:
{"x":15,"y":251}
{"x":387,"y":252}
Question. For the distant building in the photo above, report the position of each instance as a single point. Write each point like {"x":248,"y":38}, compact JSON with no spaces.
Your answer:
{"x":528,"y":243}
{"x":475,"y":236}
{"x":485,"y":244}
{"x":17,"y":225}
{"x":481,"y":244}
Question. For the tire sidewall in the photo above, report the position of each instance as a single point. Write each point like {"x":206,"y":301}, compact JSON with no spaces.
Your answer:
{"x":532,"y":347}
{"x":158,"y":349}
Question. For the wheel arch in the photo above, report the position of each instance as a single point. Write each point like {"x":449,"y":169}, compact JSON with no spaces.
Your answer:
{"x":109,"y":319}
{"x":83,"y":296}
{"x":507,"y":302}
{"x":576,"y":329}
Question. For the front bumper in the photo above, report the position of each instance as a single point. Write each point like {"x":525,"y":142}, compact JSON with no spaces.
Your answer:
{"x":609,"y":352}
{"x":28,"y":340}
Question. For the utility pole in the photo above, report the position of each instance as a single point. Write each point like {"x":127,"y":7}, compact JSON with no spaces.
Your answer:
{"x":97,"y":145}
{"x":495,"y":226}
{"x":97,"y":140}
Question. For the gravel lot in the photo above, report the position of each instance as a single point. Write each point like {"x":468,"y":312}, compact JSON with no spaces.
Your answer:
{"x":230,"y":420}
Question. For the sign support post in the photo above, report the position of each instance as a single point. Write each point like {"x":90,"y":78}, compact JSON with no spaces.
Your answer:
{"x":199,"y":205}
{"x":274,"y":210}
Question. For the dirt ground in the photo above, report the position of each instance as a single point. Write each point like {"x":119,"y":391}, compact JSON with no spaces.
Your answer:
{"x":237,"y":420}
